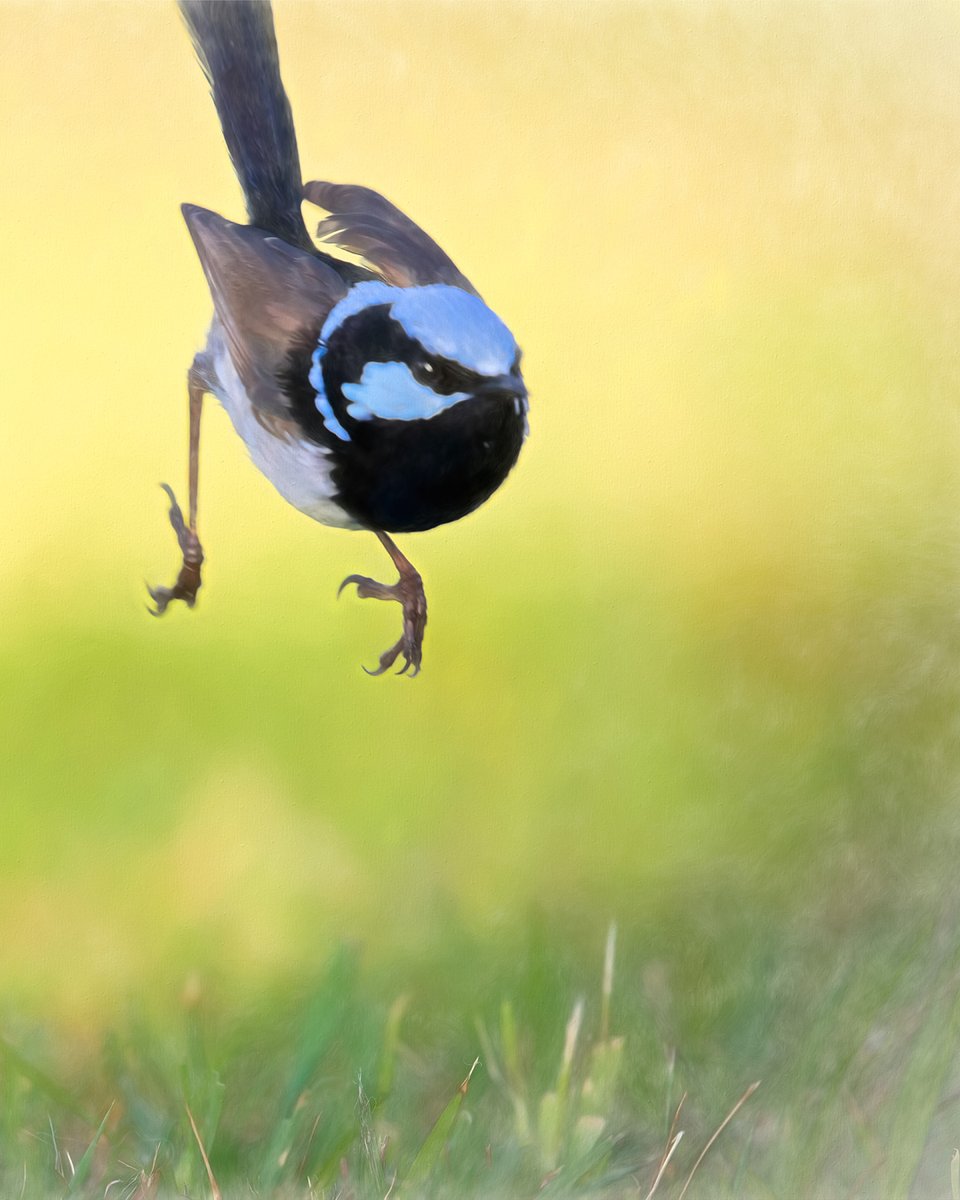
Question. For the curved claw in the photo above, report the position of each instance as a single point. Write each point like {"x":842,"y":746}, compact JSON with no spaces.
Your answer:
{"x":176,"y":517}
{"x":189,"y":578}
{"x":160,"y":598}
{"x":387,"y":659}
{"x":357,"y":579}
{"x":410,"y":651}
{"x":408,"y":592}
{"x":163,"y":597}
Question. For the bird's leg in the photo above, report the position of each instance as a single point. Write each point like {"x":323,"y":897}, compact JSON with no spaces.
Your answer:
{"x":408,"y":591}
{"x":188,"y":581}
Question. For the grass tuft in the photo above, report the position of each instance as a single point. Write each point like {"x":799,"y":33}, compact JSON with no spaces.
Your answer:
{"x":81,"y":1172}
{"x":214,"y":1186}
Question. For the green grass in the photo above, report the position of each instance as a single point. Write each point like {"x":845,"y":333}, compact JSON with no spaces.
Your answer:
{"x":329,"y":1096}
{"x":338,"y":1085}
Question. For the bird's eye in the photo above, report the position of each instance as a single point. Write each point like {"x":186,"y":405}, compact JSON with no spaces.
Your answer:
{"x":427,"y":368}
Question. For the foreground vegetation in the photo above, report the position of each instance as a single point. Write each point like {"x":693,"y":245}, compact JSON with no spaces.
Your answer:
{"x":761,"y":1071}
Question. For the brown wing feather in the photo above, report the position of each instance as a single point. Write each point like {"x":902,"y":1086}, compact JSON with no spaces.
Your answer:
{"x":267,"y":294}
{"x":364,"y":222}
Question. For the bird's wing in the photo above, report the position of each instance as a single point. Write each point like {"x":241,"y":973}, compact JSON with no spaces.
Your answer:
{"x":364,"y":222}
{"x":268,"y":296}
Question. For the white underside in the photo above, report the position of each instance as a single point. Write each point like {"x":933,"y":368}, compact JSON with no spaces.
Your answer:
{"x":298,"y":469}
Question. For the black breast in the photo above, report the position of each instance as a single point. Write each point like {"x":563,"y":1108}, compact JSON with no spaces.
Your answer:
{"x":407,"y":475}
{"x":403,"y":476}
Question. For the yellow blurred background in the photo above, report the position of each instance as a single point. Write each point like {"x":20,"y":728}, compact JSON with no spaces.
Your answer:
{"x":704,"y":631}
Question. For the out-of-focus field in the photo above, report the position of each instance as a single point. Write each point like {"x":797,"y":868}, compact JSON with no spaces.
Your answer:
{"x":694,"y":669}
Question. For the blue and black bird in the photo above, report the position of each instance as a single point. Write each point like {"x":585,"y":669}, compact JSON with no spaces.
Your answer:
{"x":385,"y":397}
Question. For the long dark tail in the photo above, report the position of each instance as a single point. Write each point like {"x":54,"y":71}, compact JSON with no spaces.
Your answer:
{"x":237,"y":48}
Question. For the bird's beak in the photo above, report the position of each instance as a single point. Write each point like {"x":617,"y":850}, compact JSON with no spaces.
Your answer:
{"x":509,"y":387}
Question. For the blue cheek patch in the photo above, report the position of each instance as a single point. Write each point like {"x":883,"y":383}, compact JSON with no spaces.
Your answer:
{"x":389,"y":390}
{"x":323,"y":404}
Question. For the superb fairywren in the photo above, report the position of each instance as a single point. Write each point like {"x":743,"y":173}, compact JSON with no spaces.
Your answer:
{"x":385,"y":397}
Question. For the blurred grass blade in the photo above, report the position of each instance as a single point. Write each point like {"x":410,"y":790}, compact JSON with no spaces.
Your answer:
{"x":571,"y":1037}
{"x":663,"y":1164}
{"x":509,"y":1044}
{"x":716,"y":1133}
{"x":204,"y":1096}
{"x":326,"y":1014}
{"x":57,"y":1157}
{"x":214,"y":1188}
{"x":609,"y":961}
{"x":82,"y":1170}
{"x":553,"y":1112}
{"x":600,"y":1086}
{"x":549,"y":1129}
{"x":510,"y":1047}
{"x":369,"y":1142}
{"x":673,"y":1140}
{"x":429,"y":1153}
{"x":391,"y":1042}
{"x":585,"y":1136}
{"x":955,"y":1175}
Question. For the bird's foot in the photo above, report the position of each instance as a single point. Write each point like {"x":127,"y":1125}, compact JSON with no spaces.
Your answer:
{"x":188,"y":581}
{"x":408,"y":591}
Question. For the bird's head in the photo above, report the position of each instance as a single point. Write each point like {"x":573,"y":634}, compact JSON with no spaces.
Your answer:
{"x":411,"y":353}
